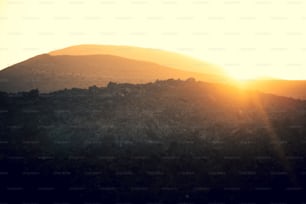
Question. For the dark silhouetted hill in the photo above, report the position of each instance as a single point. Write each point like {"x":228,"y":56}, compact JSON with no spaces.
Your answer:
{"x":170,"y":141}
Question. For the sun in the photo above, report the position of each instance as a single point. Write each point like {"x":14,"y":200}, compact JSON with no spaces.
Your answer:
{"x":244,"y":74}
{"x":241,"y":79}
{"x":240,"y":76}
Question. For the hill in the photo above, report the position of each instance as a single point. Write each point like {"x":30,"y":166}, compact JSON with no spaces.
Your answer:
{"x":82,"y":66}
{"x":165,"y":58}
{"x":169,"y":141}
{"x":51,"y":73}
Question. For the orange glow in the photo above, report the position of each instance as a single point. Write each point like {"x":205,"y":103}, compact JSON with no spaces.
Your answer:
{"x":232,"y":36}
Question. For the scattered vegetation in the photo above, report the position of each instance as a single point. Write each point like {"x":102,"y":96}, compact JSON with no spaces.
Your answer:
{"x":167,"y":141}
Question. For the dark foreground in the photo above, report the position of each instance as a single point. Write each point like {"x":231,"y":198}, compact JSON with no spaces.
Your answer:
{"x":164,"y":142}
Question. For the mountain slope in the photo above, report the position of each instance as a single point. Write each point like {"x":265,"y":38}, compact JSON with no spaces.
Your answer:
{"x":175,"y":141}
{"x":165,"y":58}
{"x":50,"y":73}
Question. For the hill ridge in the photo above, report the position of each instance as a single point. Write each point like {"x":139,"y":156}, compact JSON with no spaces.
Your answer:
{"x":50,"y":73}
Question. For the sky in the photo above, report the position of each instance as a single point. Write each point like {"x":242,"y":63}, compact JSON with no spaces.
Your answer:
{"x":248,"y":38}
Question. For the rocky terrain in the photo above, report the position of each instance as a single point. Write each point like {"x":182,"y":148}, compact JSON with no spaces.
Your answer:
{"x":169,"y":141}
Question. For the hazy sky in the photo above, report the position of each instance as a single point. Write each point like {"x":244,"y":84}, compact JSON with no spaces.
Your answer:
{"x":247,"y":37}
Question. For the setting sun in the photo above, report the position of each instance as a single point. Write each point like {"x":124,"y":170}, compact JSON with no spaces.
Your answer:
{"x":237,"y":75}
